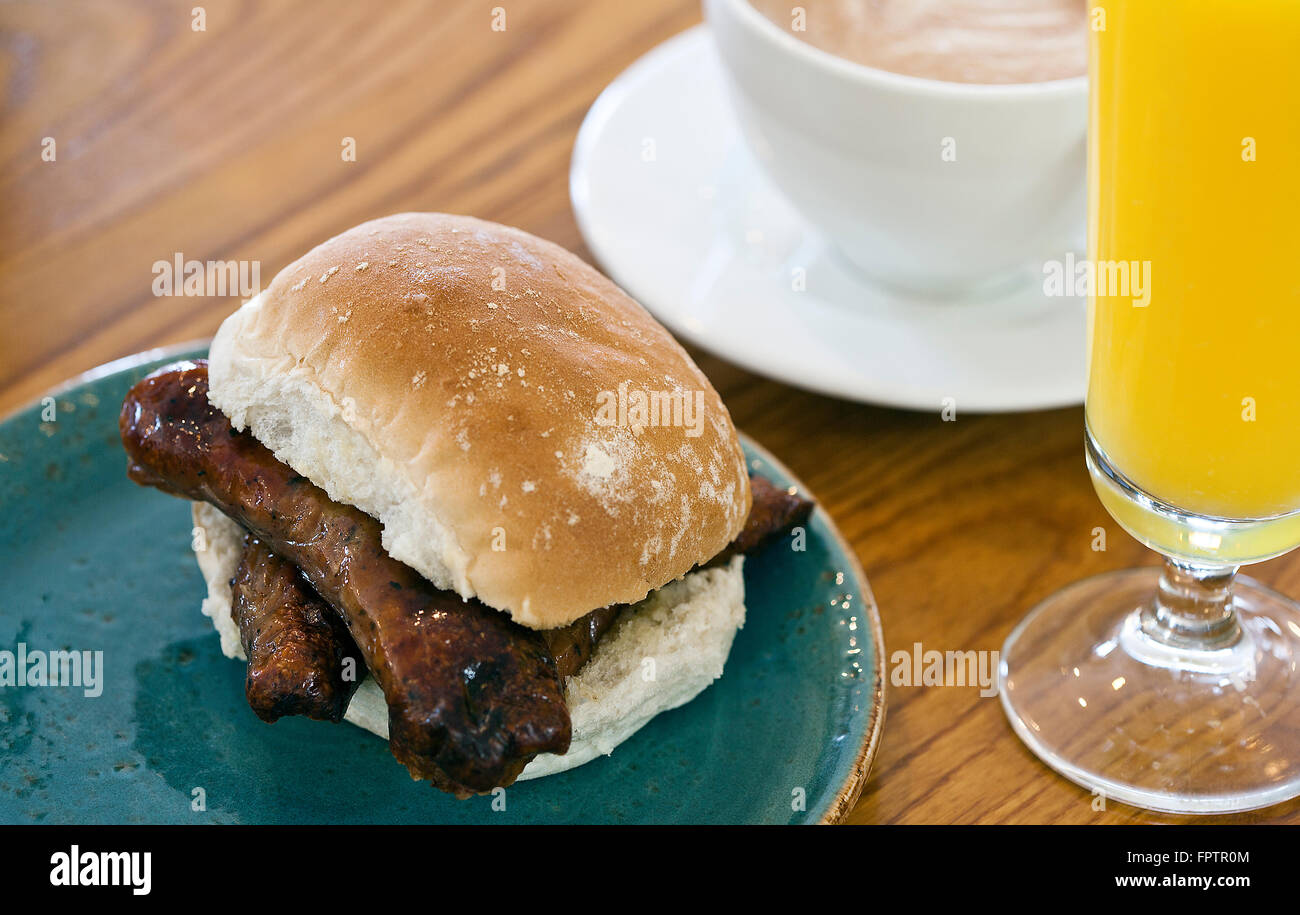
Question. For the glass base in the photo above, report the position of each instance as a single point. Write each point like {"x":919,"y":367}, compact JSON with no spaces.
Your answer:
{"x":1166,"y":728}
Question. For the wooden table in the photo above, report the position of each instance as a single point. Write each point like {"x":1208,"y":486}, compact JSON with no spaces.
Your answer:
{"x":226,"y":144}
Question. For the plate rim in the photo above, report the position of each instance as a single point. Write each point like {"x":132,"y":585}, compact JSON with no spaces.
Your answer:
{"x":859,"y":770}
{"x":104,"y":369}
{"x":845,"y":799}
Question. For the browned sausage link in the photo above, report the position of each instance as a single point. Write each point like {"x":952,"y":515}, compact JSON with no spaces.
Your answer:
{"x":573,"y":645}
{"x":301,"y":659}
{"x":774,"y":512}
{"x":472,"y":696}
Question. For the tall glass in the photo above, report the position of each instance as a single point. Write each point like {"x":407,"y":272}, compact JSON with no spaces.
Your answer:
{"x":1178,"y":688}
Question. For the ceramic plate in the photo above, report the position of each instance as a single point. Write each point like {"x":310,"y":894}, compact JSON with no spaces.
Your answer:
{"x":676,"y":210}
{"x":93,"y":562}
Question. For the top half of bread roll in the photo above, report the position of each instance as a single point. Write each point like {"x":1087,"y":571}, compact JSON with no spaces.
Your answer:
{"x":526,"y":432}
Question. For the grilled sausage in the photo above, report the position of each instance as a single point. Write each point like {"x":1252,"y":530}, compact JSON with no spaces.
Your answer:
{"x":301,"y":659}
{"x":472,"y":696}
{"x":573,"y":645}
{"x":774,"y":512}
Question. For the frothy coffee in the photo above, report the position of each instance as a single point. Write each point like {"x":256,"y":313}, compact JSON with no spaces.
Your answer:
{"x":962,"y":41}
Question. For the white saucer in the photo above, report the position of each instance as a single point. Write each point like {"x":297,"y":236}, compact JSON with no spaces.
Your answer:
{"x":677,"y":212}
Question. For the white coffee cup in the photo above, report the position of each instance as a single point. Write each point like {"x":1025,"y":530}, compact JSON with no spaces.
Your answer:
{"x":923,"y":184}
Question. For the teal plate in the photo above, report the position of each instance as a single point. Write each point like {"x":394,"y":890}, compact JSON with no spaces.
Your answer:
{"x":92,"y":562}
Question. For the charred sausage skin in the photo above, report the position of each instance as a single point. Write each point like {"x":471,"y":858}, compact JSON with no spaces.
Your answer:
{"x":301,"y":659}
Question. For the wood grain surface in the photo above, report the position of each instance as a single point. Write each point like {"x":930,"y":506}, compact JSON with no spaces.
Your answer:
{"x":225,"y":144}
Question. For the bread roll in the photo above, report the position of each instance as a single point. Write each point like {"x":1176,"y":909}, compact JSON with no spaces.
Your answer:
{"x":476,"y":389}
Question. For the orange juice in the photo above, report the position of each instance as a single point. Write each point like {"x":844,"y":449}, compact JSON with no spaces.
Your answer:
{"x":1194,"y":174}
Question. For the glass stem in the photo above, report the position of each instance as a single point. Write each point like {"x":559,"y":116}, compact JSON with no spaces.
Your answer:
{"x":1193,"y":607}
